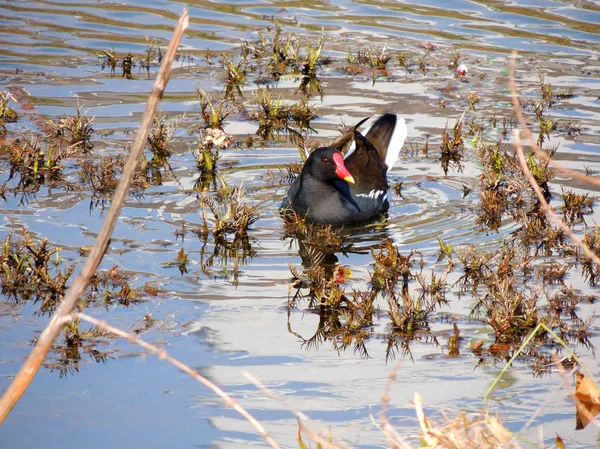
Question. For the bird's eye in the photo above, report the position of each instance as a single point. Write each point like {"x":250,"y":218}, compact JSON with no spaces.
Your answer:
{"x":325,"y":160}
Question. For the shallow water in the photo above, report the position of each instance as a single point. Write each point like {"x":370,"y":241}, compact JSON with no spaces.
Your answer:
{"x":223,"y":328}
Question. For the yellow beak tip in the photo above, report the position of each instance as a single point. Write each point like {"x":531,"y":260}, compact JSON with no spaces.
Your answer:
{"x":349,"y":179}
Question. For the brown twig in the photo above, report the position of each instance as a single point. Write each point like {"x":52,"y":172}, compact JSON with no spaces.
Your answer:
{"x":430,"y":440}
{"x":82,"y":281}
{"x":322,"y":442}
{"x":394,"y":438}
{"x":300,"y":417}
{"x":545,"y":206}
{"x":163,"y":355}
{"x":525,"y":169}
{"x":523,"y":124}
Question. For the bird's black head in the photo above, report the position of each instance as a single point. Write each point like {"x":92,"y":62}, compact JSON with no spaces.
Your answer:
{"x":326,"y":164}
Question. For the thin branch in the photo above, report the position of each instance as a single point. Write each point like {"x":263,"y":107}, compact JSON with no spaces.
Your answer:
{"x":546,"y":207}
{"x":394,"y":438}
{"x":300,"y":417}
{"x":523,"y":124}
{"x":82,"y":281}
{"x":163,"y":355}
{"x":430,"y":440}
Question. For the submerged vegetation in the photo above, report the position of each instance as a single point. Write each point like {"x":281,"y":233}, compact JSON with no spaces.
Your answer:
{"x":508,"y":286}
{"x":521,"y":284}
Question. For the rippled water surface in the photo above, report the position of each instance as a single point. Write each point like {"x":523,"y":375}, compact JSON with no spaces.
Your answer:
{"x":233,"y":322}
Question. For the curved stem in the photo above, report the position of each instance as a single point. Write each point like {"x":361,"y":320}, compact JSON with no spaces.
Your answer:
{"x":48,"y":336}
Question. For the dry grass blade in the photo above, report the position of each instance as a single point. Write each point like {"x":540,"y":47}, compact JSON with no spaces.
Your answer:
{"x":539,"y":153}
{"x":300,"y":417}
{"x":394,"y":438}
{"x":546,"y":207}
{"x":163,"y":355}
{"x":346,"y":136}
{"x":48,"y":336}
{"x":463,"y":432}
{"x":425,"y":428}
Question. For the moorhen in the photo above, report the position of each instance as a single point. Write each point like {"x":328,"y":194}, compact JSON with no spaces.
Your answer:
{"x":334,"y":190}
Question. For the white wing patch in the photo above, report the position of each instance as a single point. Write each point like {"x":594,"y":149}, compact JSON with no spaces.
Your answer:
{"x":372,"y":194}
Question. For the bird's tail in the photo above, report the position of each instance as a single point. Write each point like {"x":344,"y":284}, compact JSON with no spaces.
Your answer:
{"x":387,"y":134}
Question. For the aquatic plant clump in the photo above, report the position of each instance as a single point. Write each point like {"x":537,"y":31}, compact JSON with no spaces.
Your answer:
{"x":503,"y":300}
{"x":517,"y":278}
{"x":74,"y":131}
{"x":230,"y":214}
{"x":32,"y":270}
{"x":7,"y":114}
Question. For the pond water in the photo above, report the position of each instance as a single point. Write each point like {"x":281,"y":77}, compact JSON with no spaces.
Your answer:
{"x":232,"y":317}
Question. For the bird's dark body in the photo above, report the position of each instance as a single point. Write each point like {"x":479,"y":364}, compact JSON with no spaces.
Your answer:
{"x":323,"y":197}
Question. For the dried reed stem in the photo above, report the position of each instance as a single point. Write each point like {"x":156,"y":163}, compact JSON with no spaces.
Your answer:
{"x":545,"y":206}
{"x":425,"y":427}
{"x":300,"y":417}
{"x":525,"y":169}
{"x":82,"y":281}
{"x":523,"y":124}
{"x":396,"y":441}
{"x":163,"y":355}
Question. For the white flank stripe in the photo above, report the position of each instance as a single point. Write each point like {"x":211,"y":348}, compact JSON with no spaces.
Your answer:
{"x":372,"y":194}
